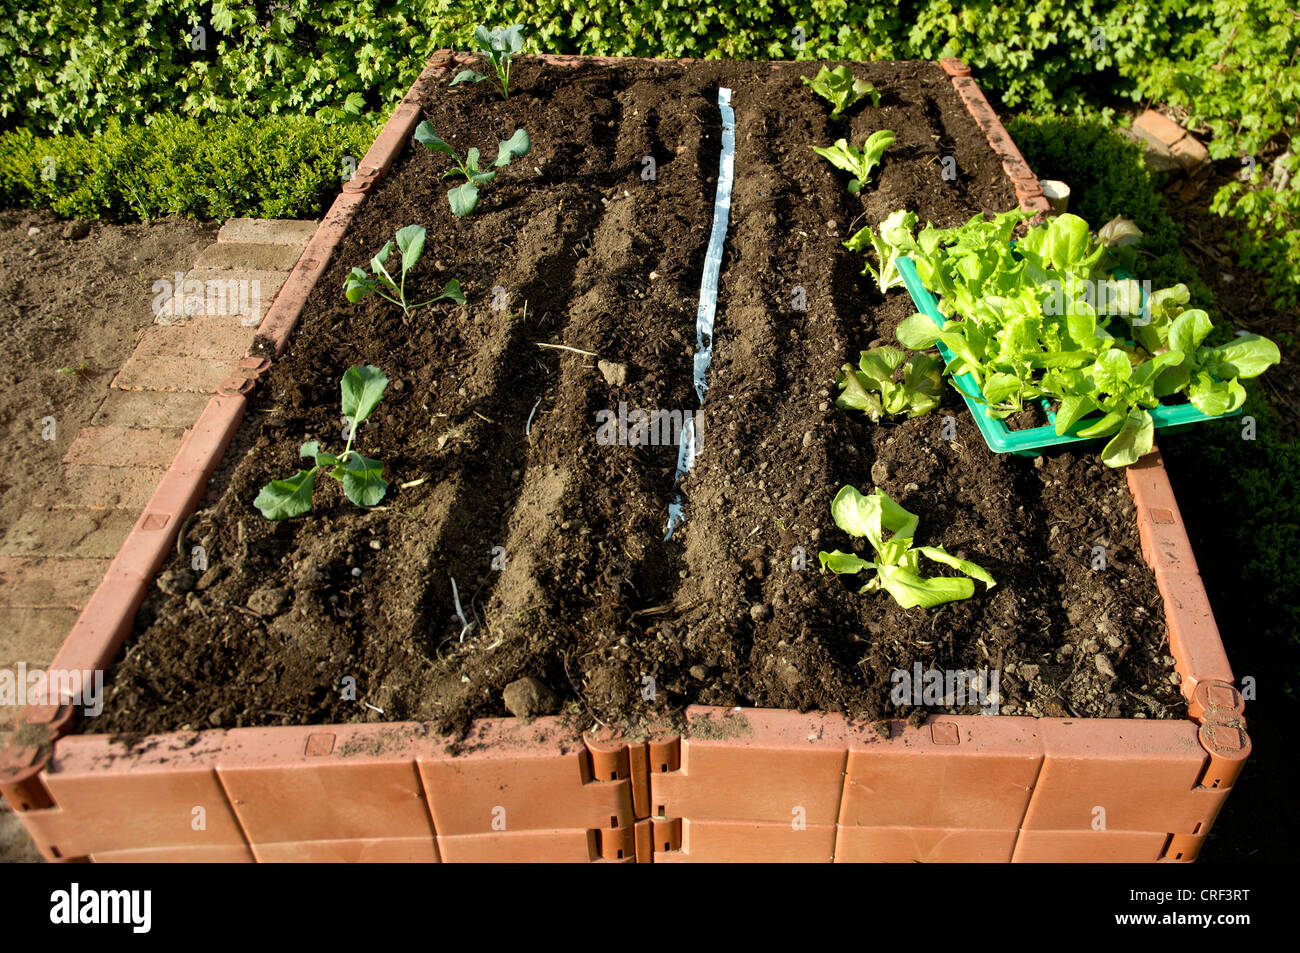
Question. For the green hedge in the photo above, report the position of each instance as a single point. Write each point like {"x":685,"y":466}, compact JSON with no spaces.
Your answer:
{"x":78,"y":65}
{"x":278,"y":167}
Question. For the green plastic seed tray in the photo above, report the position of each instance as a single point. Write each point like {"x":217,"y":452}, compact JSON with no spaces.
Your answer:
{"x":1029,"y":443}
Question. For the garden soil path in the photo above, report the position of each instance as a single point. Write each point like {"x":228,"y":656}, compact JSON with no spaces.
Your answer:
{"x":111,"y":353}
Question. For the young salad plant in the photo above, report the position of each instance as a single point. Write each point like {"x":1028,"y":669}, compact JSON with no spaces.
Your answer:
{"x":839,"y":87}
{"x":499,"y":46}
{"x":895,"y":239}
{"x":1046,"y":319}
{"x":362,"y":478}
{"x":858,"y":162}
{"x":897,"y":562}
{"x":871,"y":387}
{"x":464,"y":198}
{"x":410,"y":242}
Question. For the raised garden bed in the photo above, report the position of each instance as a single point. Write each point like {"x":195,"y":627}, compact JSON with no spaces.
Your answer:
{"x":496,"y":437}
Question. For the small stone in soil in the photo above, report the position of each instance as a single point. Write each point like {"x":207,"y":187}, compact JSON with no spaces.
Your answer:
{"x":77,"y":228}
{"x":880,"y":472}
{"x":176,"y":582}
{"x":615,"y":374}
{"x":528,"y":697}
{"x":269,"y":602}
{"x":759,"y":612}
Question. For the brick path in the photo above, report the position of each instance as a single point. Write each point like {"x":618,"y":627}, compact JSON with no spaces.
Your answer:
{"x":52,"y":559}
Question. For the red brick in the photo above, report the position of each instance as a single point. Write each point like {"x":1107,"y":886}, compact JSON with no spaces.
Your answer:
{"x":38,"y":582}
{"x":234,"y":257}
{"x":1190,"y":154}
{"x":32,"y":635}
{"x":126,"y":408}
{"x":107,"y":487}
{"x":85,"y":533}
{"x":123,"y":447}
{"x":1153,"y":125}
{"x":267,"y":231}
{"x":151,"y":372}
{"x":209,"y":293}
{"x":197,"y":339}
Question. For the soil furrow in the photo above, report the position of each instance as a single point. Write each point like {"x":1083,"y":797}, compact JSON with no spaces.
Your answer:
{"x":555,"y":536}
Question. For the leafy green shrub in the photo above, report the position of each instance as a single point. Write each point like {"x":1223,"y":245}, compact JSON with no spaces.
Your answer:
{"x":281,"y":167}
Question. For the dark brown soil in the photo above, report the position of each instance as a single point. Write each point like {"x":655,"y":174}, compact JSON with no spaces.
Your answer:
{"x":70,"y":314}
{"x":583,"y":593}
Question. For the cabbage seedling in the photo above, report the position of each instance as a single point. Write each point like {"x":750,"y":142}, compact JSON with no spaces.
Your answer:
{"x":839,"y":88}
{"x":464,"y":198}
{"x":410,"y":242}
{"x":859,"y":162}
{"x":362,"y":478}
{"x":897,"y":561}
{"x":499,"y":46}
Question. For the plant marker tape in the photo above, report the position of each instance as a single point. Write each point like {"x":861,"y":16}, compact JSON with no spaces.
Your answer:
{"x":465,"y":626}
{"x":707,"y":310}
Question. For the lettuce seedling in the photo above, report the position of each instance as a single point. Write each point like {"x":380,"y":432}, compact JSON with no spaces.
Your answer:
{"x":897,"y":562}
{"x":859,"y":162}
{"x":464,"y":198}
{"x":1033,"y":320}
{"x":410,"y":242}
{"x":362,"y":478}
{"x":839,"y":87}
{"x":895,"y":239}
{"x":499,"y":46}
{"x":871,"y":387}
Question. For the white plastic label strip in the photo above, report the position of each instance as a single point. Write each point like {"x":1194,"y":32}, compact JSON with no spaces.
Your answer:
{"x":707,"y":310}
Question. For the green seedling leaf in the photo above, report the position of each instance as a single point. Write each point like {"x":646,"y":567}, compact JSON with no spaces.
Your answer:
{"x":1215,"y":398}
{"x":1102,"y":428}
{"x":284,"y":499}
{"x":839,"y":87}
{"x":911,"y":590}
{"x":1134,"y":440}
{"x":844,"y":563}
{"x":941,"y":555}
{"x":517,"y":145}
{"x":1249,"y":355}
{"x":363,"y":480}
{"x":468,"y":76}
{"x":463,"y":199}
{"x":896,"y":565}
{"x":1119,"y":232}
{"x":426,"y":137}
{"x":410,"y":240}
{"x":918,"y":332}
{"x":363,"y":389}
{"x":1073,"y":409}
{"x":357,"y":285}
